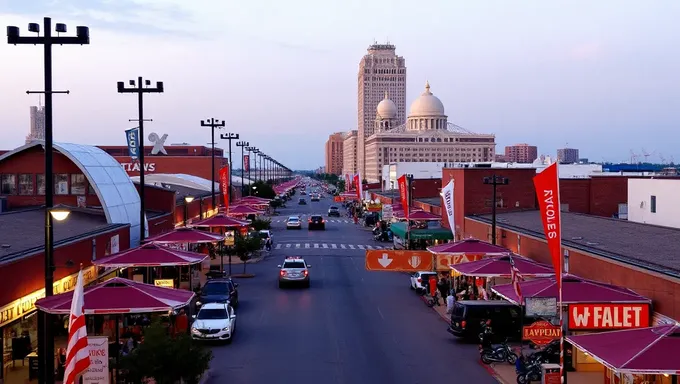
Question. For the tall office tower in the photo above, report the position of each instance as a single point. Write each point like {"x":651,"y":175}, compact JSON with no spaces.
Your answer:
{"x":381,"y":72}
{"x":37,"y":124}
{"x":334,"y":153}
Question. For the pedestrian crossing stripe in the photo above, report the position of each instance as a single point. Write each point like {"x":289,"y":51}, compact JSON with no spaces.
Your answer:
{"x":327,"y":246}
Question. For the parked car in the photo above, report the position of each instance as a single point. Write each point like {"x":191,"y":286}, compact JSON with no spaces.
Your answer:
{"x":467,"y":315}
{"x":219,"y":291}
{"x":420,"y":280}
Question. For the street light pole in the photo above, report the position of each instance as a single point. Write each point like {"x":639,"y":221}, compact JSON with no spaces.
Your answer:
{"x":242,"y":144}
{"x":261,"y":155}
{"x":213,"y":123}
{"x":140,"y":88}
{"x":229,"y":136}
{"x":250,"y":168}
{"x":494,"y":181}
{"x":45,"y":339}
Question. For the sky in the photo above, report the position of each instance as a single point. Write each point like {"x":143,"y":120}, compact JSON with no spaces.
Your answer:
{"x":601,"y":76}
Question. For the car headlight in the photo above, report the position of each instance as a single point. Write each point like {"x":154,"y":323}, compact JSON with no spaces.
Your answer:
{"x":199,"y":303}
{"x":194,"y":330}
{"x":225,"y":329}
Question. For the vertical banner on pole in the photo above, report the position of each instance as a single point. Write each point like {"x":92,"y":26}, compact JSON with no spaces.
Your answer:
{"x":447,"y":203}
{"x":224,"y":186}
{"x":132,"y":136}
{"x":357,"y":182}
{"x":246,"y":163}
{"x":403,"y":195}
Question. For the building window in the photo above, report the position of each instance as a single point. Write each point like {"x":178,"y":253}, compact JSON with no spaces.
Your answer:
{"x":61,"y":184}
{"x":40,"y":183}
{"x":26,"y":184}
{"x":652,"y":204}
{"x":8,"y":184}
{"x":78,"y":185}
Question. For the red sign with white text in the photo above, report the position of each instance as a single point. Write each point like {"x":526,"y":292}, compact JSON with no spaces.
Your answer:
{"x":547,"y":184}
{"x":403,"y":194}
{"x":608,"y":316}
{"x":224,"y":186}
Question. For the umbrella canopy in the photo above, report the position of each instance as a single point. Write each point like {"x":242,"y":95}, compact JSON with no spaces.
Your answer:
{"x":186,"y":235}
{"x":418,"y":215}
{"x":243,"y":210}
{"x":119,"y":295}
{"x":150,"y":255}
{"x":639,"y":351}
{"x":499,"y":266}
{"x":574,"y":290}
{"x":475,"y":246}
{"x":220,"y":220}
{"x":254,"y":199}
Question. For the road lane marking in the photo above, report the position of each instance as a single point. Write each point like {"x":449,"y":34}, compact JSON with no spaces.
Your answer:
{"x":306,"y":245}
{"x":316,"y":245}
{"x":351,"y":246}
{"x":325,"y":245}
{"x":343,"y":246}
{"x":380,"y":313}
{"x":288,"y":245}
{"x":360,"y":246}
{"x":278,"y":246}
{"x":297,"y":245}
{"x":369,"y":247}
{"x":334,"y":246}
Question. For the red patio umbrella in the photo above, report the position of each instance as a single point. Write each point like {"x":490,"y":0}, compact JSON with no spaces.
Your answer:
{"x":574,"y":290}
{"x":119,"y":295}
{"x":255,"y":199}
{"x":220,"y":220}
{"x":243,"y":210}
{"x":186,"y":235}
{"x":472,"y":246}
{"x":499,"y":266}
{"x":150,"y":255}
{"x":641,"y":351}
{"x":417,"y":214}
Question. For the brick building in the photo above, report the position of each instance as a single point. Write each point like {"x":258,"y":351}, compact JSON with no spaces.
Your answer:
{"x":520,"y":153}
{"x":334,"y":153}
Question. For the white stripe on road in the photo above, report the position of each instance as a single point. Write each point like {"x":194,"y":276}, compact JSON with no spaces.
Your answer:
{"x":278,"y":246}
{"x":288,"y":245}
{"x":351,"y":246}
{"x":325,"y":245}
{"x":343,"y":246}
{"x":306,"y":245}
{"x":316,"y":245}
{"x":360,"y":246}
{"x":334,"y":246}
{"x":369,"y":247}
{"x":297,"y":245}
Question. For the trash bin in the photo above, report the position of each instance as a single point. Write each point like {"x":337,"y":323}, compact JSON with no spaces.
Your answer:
{"x":550,"y":374}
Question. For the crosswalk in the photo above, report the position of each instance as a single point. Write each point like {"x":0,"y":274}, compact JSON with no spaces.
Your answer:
{"x":344,"y":221}
{"x":326,"y":246}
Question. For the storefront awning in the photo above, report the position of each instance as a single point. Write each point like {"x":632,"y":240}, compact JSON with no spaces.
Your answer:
{"x":639,"y":351}
{"x":150,"y":255}
{"x":472,"y":246}
{"x":400,"y":230}
{"x":500,"y":266}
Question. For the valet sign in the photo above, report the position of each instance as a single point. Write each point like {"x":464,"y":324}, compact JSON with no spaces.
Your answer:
{"x":608,"y":316}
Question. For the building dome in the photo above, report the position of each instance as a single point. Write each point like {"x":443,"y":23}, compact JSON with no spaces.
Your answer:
{"x":427,"y":104}
{"x":387,"y":109}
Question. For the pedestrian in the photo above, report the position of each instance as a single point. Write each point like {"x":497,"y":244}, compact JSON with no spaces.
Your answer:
{"x":268,"y":244}
{"x":443,"y":287}
{"x":433,"y":289}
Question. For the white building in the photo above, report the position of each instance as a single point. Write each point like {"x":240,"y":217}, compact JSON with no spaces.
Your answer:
{"x":349,"y":153}
{"x":654,"y":201}
{"x":392,"y":172}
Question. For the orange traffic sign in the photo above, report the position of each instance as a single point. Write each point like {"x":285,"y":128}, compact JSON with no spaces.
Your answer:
{"x":398,"y":260}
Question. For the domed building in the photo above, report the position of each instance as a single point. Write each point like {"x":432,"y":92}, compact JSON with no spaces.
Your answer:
{"x":427,"y":136}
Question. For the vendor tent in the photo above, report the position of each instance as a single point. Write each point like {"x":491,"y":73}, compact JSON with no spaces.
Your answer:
{"x":500,"y":266}
{"x":150,"y":255}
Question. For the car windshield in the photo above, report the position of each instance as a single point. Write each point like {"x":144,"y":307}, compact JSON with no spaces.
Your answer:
{"x":264,"y":235}
{"x":315,"y":217}
{"x":293,"y":264}
{"x":216,"y":289}
{"x":293,"y":219}
{"x":333,"y":208}
{"x":212,"y":314}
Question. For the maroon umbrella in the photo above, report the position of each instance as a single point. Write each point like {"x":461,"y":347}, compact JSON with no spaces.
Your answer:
{"x":471,"y":246}
{"x":641,"y":351}
{"x":253,"y":199}
{"x":186,"y":235}
{"x":220,"y":220}
{"x":418,"y":215}
{"x":499,"y":266}
{"x":243,"y":210}
{"x":150,"y":255}
{"x":574,"y":290}
{"x":119,"y":295}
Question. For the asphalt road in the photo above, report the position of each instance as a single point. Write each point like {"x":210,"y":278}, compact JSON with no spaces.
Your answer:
{"x":351,"y":326}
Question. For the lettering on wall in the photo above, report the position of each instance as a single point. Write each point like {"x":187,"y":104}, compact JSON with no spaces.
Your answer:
{"x":608,"y":316}
{"x":134,"y":167}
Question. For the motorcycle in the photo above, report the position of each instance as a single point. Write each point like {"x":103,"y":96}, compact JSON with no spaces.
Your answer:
{"x":529,"y":371}
{"x":495,"y":353}
{"x":384,"y":236}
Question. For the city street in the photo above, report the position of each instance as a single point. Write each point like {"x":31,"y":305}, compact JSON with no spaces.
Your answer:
{"x":351,"y":326}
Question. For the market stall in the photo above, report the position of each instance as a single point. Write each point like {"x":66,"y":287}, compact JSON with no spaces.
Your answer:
{"x":226,"y":226}
{"x":464,"y":251}
{"x":418,"y":237}
{"x":243,"y":211}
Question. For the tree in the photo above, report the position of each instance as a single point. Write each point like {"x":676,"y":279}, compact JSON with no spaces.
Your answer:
{"x":244,"y":246}
{"x":261,"y":224}
{"x":340,"y":185}
{"x":165,"y":358}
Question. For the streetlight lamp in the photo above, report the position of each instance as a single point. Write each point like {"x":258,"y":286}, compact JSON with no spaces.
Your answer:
{"x":187,"y":200}
{"x":213,"y":123}
{"x":494,"y":181}
{"x":242,"y":144}
{"x":46,"y":342}
{"x":140,"y":88}
{"x":229,"y":136}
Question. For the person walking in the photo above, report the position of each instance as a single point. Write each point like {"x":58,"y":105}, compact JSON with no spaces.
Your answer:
{"x":433,"y":289}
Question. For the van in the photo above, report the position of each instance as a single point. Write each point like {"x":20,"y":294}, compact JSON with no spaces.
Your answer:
{"x":468,"y":314}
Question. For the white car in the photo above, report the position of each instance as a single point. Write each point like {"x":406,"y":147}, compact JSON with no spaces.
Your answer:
{"x":293,"y":222}
{"x":420,"y":280}
{"x":214,"y":322}
{"x":266,"y":234}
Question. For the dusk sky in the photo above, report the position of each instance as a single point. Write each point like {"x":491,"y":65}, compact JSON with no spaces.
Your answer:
{"x":602,"y":76}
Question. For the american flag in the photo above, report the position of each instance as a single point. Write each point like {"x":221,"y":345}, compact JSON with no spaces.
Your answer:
{"x":77,"y":352}
{"x":517,"y":278}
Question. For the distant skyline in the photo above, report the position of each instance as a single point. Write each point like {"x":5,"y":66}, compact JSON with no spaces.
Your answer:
{"x":598,"y":76}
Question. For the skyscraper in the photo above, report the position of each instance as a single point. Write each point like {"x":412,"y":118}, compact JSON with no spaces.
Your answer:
{"x":37,"y":131}
{"x":334,"y":156}
{"x":381,"y":72}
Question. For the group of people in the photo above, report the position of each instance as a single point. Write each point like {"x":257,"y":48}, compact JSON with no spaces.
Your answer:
{"x":452,"y":290}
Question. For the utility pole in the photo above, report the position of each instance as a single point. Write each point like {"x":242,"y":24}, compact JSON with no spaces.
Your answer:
{"x":140,"y":88}
{"x":243,"y":144}
{"x":45,"y":338}
{"x":261,"y":155}
{"x":229,"y":136}
{"x":213,"y":123}
{"x":494,"y":181}
{"x":250,"y":168}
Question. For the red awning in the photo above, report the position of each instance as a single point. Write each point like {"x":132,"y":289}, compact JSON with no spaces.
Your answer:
{"x":499,"y":266}
{"x":186,"y":235}
{"x":642,"y":351}
{"x":243,"y":210}
{"x":221,"y":220}
{"x":574,"y":290}
{"x":472,"y":246}
{"x":253,"y":199}
{"x":150,"y":255}
{"x":417,"y":214}
{"x":119,"y":295}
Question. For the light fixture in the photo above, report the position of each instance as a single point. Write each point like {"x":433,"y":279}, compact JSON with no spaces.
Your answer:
{"x":188,"y":199}
{"x":59,"y":214}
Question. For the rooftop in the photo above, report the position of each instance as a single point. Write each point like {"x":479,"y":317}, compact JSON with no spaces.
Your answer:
{"x":643,"y":245}
{"x":23,"y":232}
{"x":433,"y":201}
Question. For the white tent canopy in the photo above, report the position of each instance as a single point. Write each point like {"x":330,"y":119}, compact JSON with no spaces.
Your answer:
{"x":187,"y":181}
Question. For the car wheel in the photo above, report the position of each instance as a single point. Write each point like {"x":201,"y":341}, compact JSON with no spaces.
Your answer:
{"x":228,"y":341}
{"x":280,"y":284}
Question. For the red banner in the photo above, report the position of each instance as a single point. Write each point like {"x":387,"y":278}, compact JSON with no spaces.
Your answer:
{"x":246,"y":163}
{"x":547,"y":184}
{"x":357,"y":182}
{"x":608,"y":316}
{"x":403,"y":194}
{"x":224,"y":186}
{"x":348,"y":183}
